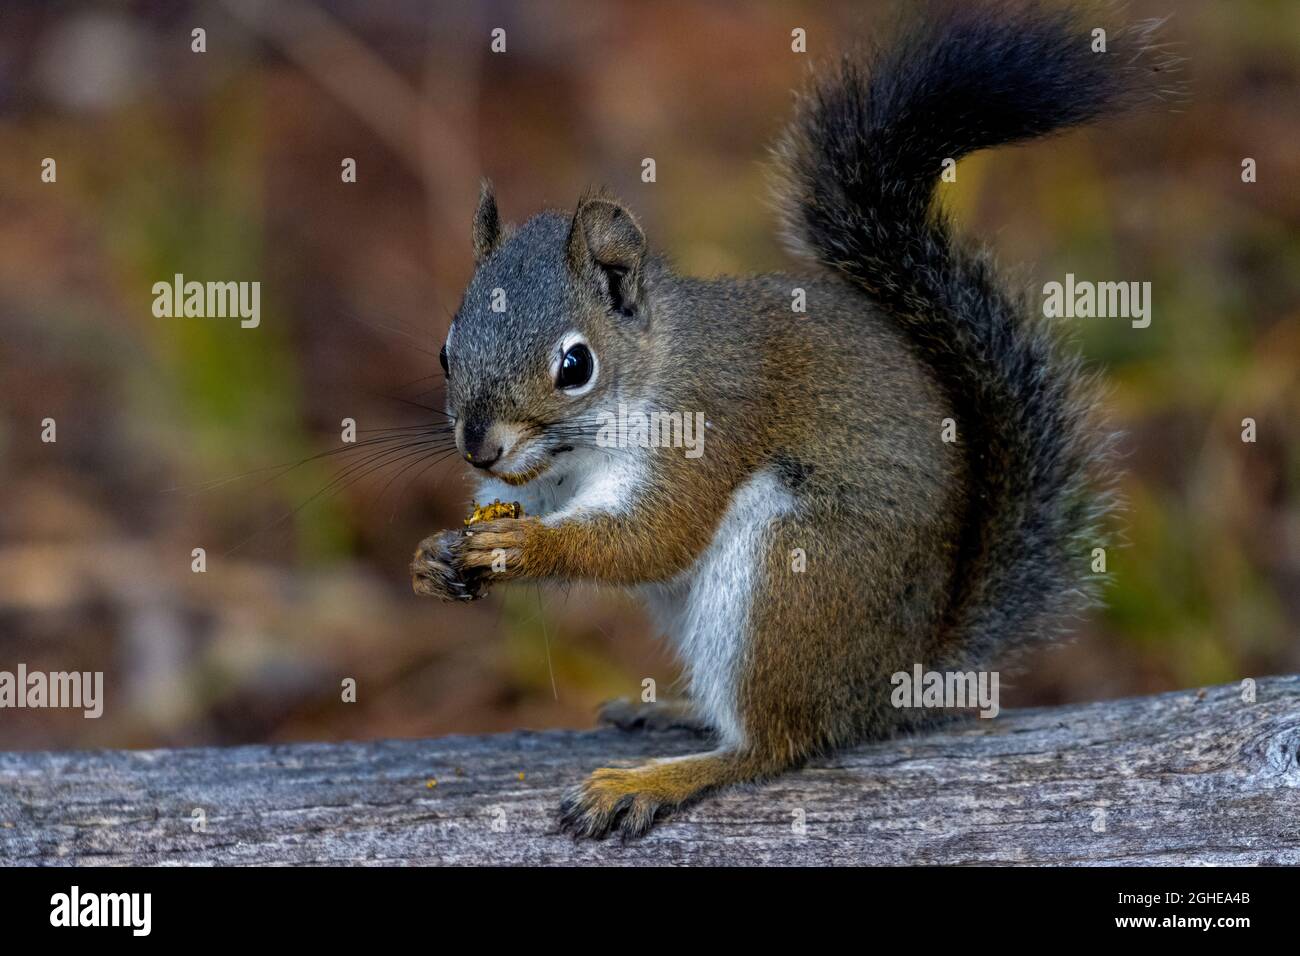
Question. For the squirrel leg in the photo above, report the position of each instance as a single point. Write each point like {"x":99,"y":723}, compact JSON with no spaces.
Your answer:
{"x":645,"y":542}
{"x":630,"y":800}
{"x":791,"y":698}
{"x":668,"y":714}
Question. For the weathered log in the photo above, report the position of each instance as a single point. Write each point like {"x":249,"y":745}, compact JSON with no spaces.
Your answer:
{"x":1182,"y":778}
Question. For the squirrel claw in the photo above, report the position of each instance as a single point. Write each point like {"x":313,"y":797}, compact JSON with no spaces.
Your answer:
{"x":436,"y":570}
{"x":582,"y":817}
{"x":608,"y":802}
{"x":630,"y":800}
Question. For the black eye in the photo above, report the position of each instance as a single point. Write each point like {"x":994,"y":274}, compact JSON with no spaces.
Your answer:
{"x":575,"y":367}
{"x":442,"y":357}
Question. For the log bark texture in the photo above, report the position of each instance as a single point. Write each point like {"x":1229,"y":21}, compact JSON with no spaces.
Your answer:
{"x":1194,"y":777}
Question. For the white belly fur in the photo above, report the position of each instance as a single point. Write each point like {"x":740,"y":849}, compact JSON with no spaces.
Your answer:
{"x":705,"y":610}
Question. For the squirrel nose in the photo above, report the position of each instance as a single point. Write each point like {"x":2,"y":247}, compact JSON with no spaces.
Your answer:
{"x":481,"y":460}
{"x":477,"y":442}
{"x":483,"y":444}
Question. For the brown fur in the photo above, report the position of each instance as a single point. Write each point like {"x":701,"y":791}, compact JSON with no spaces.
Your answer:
{"x":878,"y":495}
{"x":918,"y":551}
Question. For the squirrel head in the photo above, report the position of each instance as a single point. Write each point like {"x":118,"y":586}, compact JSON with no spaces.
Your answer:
{"x":552,"y":328}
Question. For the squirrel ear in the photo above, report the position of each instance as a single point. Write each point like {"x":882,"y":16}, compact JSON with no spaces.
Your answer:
{"x":607,"y":246}
{"x":487,"y":222}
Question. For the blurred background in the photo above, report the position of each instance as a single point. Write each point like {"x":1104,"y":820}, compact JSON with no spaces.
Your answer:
{"x":226,"y":165}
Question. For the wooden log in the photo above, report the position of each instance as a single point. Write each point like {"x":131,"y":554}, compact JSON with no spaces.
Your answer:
{"x":1183,"y":778}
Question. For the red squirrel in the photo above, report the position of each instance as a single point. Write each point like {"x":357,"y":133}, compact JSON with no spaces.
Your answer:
{"x":827,"y":536}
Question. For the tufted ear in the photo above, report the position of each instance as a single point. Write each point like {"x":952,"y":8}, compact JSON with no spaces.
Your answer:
{"x":487,"y":222}
{"x":607,"y":247}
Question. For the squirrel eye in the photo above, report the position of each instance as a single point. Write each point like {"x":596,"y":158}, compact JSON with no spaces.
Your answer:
{"x":575,"y":367}
{"x":442,"y":357}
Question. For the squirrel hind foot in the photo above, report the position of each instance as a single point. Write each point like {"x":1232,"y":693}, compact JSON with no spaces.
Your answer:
{"x":630,"y":801}
{"x":629,"y":715}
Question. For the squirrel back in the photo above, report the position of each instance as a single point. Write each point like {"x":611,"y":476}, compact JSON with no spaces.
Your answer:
{"x":858,"y":168}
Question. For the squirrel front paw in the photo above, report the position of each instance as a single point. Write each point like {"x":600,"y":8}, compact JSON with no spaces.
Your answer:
{"x":438,"y":570}
{"x":497,"y":549}
{"x":458,"y":565}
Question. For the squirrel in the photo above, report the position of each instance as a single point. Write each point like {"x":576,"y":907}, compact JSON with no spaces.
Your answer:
{"x":823,"y":440}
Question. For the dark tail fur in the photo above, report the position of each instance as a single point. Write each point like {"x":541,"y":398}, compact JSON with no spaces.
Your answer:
{"x":859,"y":166}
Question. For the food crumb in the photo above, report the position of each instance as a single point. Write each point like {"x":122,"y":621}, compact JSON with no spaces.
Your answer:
{"x":494,"y":511}
{"x":430,"y":783}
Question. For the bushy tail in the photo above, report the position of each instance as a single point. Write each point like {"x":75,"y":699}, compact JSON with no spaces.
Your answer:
{"x":858,"y":171}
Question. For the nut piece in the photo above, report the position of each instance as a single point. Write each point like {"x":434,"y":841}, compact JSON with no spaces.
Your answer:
{"x":498,"y":509}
